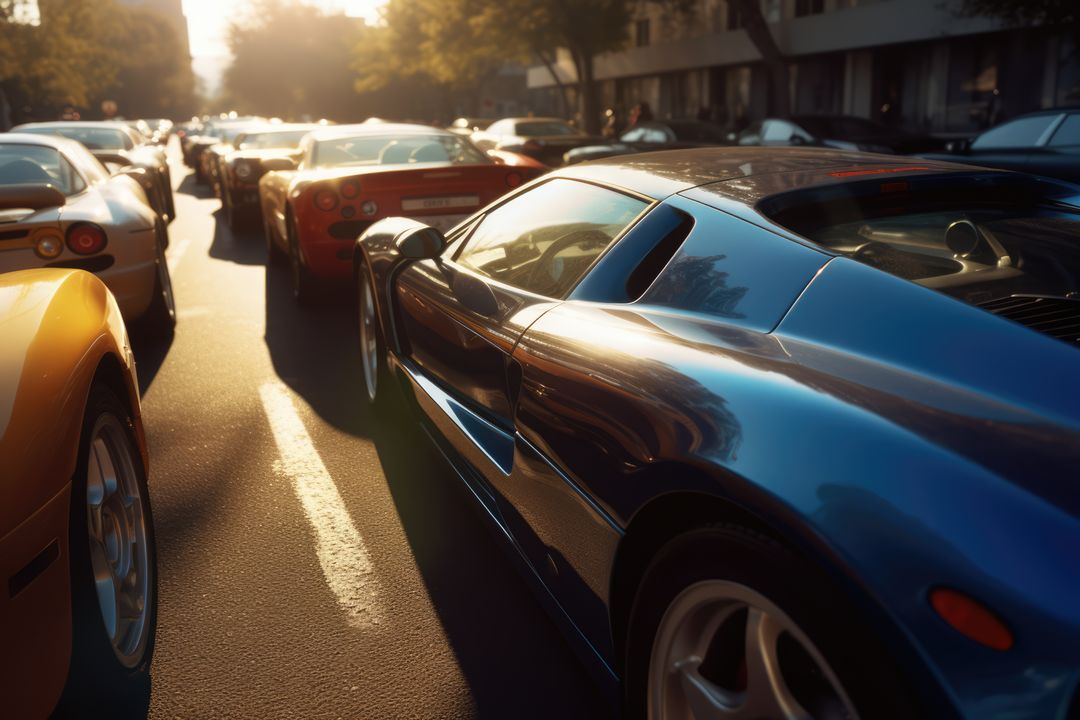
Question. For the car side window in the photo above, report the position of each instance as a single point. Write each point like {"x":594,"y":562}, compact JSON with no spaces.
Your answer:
{"x":633,"y":135}
{"x":1068,"y":133}
{"x":1020,"y":133}
{"x":544,"y":240}
{"x":653,"y":134}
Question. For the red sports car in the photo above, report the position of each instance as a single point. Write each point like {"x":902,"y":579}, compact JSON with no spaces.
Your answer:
{"x":350,"y":176}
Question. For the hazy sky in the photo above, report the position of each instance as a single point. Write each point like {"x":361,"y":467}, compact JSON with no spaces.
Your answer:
{"x":208,"y":20}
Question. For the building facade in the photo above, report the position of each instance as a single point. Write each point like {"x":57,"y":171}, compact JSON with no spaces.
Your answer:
{"x":909,"y":63}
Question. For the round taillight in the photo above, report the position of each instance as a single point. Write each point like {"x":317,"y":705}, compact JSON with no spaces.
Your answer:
{"x":86,"y":239}
{"x":971,"y":618}
{"x":49,"y":246}
{"x":350,"y":190}
{"x":513,"y":179}
{"x":326,"y":200}
{"x":369,"y":208}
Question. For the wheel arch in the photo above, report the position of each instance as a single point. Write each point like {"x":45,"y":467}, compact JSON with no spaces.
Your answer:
{"x":673,"y":514}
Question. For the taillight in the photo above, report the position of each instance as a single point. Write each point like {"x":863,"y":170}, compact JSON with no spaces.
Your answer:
{"x":86,"y":238}
{"x":971,"y":618}
{"x":513,"y":179}
{"x":326,"y":200}
{"x":350,"y":189}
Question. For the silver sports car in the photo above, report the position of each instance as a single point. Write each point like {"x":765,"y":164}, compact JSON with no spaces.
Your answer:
{"x":60,"y":207}
{"x":117,"y":145}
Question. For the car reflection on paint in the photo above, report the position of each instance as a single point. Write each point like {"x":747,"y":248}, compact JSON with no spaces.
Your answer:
{"x":779,"y":432}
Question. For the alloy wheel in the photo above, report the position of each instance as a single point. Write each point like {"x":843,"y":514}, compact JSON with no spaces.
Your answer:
{"x":369,"y":350}
{"x":119,"y":546}
{"x":722,"y":650}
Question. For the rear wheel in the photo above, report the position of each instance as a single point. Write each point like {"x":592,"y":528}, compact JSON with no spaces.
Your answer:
{"x":728,"y":624}
{"x":274,"y":256}
{"x":160,"y":318}
{"x":234,"y":216}
{"x":113,"y":566}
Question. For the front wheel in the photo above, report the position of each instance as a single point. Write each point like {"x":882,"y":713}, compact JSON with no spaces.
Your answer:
{"x":113,"y":565}
{"x":728,"y":624}
{"x":372,"y":349}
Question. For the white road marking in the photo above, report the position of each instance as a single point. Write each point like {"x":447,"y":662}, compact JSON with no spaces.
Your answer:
{"x":341,"y":551}
{"x":176,"y":251}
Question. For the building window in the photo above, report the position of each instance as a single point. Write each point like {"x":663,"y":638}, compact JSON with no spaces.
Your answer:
{"x":641,"y":33}
{"x":809,"y":7}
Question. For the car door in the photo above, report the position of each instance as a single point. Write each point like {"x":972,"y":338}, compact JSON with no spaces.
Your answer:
{"x":463,"y":312}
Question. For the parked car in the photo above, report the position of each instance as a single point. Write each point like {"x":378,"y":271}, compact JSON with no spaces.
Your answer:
{"x":545,"y":139}
{"x":211,"y":157}
{"x":239,"y":172}
{"x":61,"y":208}
{"x":352,"y":175}
{"x":1044,"y":143}
{"x":79,"y":607}
{"x":842,"y":132}
{"x":468,"y":125}
{"x":776,"y":432}
{"x":117,"y":145}
{"x":210,"y":133}
{"x":653,"y":135}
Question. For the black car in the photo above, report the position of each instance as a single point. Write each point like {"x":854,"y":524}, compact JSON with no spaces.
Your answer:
{"x":843,"y":132}
{"x":653,"y":135}
{"x":775,"y":432}
{"x":1042,"y":143}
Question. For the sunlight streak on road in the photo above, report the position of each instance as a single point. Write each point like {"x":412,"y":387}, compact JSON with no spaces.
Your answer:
{"x":340,"y":548}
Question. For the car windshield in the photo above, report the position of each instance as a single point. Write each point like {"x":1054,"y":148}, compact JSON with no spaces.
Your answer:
{"x":545,"y":128}
{"x":285,"y":139}
{"x":37,"y":165}
{"x":984,"y":241}
{"x":94,"y":138}
{"x":396,"y":150}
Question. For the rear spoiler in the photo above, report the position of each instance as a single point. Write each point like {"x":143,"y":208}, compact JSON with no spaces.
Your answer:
{"x":31,"y":196}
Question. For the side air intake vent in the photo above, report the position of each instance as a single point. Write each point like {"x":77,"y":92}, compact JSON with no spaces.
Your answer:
{"x":1053,"y":316}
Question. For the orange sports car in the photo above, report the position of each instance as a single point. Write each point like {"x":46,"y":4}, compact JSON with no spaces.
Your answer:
{"x":349,"y":176}
{"x":79,"y":594}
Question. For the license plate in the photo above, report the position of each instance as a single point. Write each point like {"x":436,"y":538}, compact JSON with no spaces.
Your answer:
{"x":439,"y":203}
{"x":441,"y":222}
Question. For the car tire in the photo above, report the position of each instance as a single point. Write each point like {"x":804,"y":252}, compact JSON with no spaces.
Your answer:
{"x":303,"y":286}
{"x":376,"y":378}
{"x":233,"y":217}
{"x":159,"y":320}
{"x":734,"y":580}
{"x":110,"y":665}
{"x":170,"y":197}
{"x":274,"y":255}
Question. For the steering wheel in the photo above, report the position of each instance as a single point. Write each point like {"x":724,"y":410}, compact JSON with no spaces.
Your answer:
{"x":545,"y":263}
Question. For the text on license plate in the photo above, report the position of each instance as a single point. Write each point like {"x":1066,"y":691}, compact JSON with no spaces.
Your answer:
{"x":438,"y":203}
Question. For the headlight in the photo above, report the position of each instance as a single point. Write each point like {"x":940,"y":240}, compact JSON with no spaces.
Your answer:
{"x":243,"y":171}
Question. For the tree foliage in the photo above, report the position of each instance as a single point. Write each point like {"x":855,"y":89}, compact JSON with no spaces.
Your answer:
{"x":292,"y":60}
{"x":1058,"y":14}
{"x":455,"y":42}
{"x":85,"y":51}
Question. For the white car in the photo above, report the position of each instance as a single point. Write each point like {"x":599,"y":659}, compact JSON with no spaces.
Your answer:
{"x":60,"y":207}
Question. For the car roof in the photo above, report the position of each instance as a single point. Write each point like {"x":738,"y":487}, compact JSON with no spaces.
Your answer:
{"x":747,"y":173}
{"x":361,"y":129}
{"x":53,"y":141}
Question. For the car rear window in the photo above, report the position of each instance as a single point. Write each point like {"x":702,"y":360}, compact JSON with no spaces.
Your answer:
{"x":38,"y":165}
{"x":397,"y":150}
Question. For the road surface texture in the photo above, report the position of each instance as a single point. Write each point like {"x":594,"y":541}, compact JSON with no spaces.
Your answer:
{"x":315,"y":561}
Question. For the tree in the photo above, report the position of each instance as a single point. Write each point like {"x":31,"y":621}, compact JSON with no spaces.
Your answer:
{"x":292,"y":60}
{"x":1057,"y":14}
{"x":455,"y":41}
{"x":753,"y":21}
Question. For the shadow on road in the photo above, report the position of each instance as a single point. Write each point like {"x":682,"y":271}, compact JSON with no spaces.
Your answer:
{"x":190,"y":187}
{"x":246,"y":247}
{"x":509,"y":651}
{"x":150,"y":353}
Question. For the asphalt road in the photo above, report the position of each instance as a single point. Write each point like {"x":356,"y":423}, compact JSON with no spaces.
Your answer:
{"x":315,"y":561}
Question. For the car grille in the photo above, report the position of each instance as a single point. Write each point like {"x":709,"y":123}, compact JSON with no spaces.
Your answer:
{"x":1053,"y":316}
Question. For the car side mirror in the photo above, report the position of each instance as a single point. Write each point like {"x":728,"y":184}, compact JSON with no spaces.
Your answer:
{"x":279,"y":164}
{"x":421,"y":243}
{"x":31,"y":196}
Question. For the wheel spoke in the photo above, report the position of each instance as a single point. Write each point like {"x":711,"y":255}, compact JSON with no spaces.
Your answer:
{"x":767,"y":693}
{"x":706,"y":700}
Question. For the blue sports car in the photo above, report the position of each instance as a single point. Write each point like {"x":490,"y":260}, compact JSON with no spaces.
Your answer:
{"x":777,"y":433}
